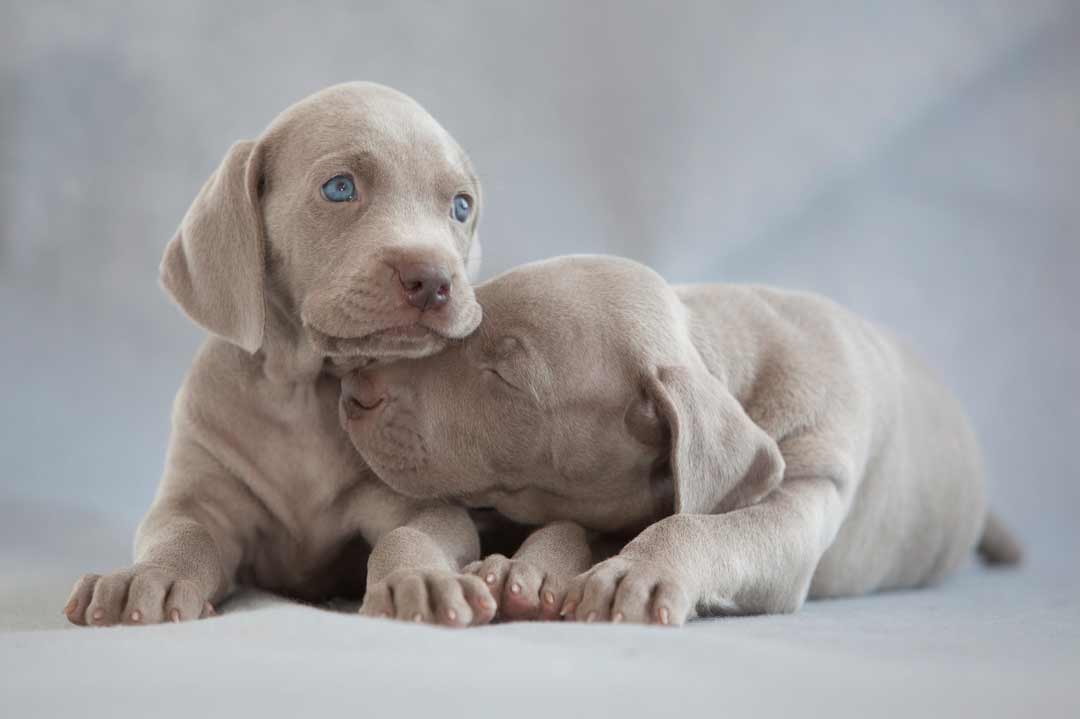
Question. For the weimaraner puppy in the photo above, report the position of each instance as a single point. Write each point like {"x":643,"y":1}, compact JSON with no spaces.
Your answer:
{"x":340,"y":236}
{"x":764,"y":446}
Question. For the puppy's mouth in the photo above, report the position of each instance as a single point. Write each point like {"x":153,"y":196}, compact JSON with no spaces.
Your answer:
{"x":359,"y":397}
{"x":349,"y":337}
{"x":355,"y":407}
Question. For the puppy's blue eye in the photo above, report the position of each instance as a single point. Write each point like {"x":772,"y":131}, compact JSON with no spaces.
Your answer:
{"x":462,"y":207}
{"x":339,"y":188}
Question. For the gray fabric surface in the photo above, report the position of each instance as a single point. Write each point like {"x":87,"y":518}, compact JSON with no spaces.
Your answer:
{"x":986,"y":643}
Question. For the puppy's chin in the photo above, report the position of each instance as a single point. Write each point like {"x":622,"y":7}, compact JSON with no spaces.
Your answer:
{"x":399,"y":473}
{"x":393,"y":450}
{"x":407,"y":342}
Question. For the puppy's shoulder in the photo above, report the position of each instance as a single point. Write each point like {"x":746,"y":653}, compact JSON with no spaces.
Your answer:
{"x":223,"y":380}
{"x":788,"y":354}
{"x":219,"y":364}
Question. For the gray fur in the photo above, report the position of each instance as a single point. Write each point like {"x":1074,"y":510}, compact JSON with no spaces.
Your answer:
{"x":261,"y":484}
{"x":760,"y":446}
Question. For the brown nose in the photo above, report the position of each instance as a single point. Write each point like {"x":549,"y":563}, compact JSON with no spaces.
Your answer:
{"x":426,"y":286}
{"x":358,"y":395}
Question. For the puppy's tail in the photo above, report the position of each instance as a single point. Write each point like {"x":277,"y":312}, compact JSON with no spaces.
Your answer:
{"x":998,"y":545}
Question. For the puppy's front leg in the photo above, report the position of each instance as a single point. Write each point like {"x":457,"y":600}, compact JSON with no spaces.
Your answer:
{"x":532,"y":584}
{"x":180,"y":571}
{"x":755,"y":560}
{"x":187,"y":549}
{"x":414,"y":572}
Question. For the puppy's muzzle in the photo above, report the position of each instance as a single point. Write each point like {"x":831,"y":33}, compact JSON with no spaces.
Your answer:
{"x":359,"y":395}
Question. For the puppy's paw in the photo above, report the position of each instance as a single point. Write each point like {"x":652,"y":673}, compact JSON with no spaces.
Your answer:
{"x":628,"y":590}
{"x":524,"y":591}
{"x":430,"y":596}
{"x":141,"y":594}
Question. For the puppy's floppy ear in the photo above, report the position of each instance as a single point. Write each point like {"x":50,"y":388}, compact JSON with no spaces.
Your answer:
{"x":720,"y":459}
{"x":214,"y":266}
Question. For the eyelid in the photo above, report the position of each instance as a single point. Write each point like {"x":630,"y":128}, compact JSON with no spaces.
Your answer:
{"x":498,"y":374}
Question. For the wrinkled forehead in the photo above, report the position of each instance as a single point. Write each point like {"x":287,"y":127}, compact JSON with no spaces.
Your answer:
{"x":366,"y":122}
{"x":540,"y":313}
{"x":579,"y":314}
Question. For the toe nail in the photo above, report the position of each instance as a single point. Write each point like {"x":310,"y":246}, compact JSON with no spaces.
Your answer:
{"x":590,"y":616}
{"x":174,"y":615}
{"x":515,"y":588}
{"x":665,"y":615}
{"x":451,"y":615}
{"x":617,"y":618}
{"x":136,"y":616}
{"x":490,"y":579}
{"x":99,"y":614}
{"x":210,"y":609}
{"x":70,"y":607}
{"x":567,"y":608}
{"x":418,"y":617}
{"x":549,"y":598}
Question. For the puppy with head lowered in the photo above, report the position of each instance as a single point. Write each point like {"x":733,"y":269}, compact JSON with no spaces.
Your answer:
{"x":764,"y":446}
{"x":340,"y":235}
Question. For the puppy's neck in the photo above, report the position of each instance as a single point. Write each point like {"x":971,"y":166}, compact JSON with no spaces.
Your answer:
{"x":287,"y":355}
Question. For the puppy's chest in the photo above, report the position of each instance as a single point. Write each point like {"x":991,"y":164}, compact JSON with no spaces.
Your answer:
{"x":306,"y":444}
{"x":307,"y":475}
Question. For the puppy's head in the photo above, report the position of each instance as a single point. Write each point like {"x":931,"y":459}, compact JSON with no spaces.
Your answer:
{"x":580,"y":397}
{"x":353,"y":217}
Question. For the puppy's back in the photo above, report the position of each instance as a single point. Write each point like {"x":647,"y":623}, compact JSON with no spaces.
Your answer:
{"x":788,"y":357}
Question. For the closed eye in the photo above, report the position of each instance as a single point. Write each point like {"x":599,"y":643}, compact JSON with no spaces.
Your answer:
{"x":528,"y":390}
{"x":493,"y":373}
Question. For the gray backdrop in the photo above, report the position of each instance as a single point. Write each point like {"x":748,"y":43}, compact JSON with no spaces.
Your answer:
{"x":916,"y":161}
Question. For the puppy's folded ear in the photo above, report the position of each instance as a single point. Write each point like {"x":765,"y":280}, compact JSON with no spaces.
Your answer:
{"x":720,"y":459}
{"x":214,"y":266}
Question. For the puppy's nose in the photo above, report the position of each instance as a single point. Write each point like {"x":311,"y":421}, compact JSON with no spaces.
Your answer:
{"x":359,"y":395}
{"x":426,"y":286}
